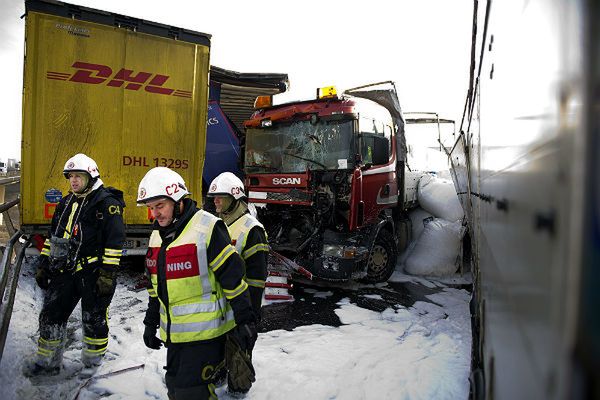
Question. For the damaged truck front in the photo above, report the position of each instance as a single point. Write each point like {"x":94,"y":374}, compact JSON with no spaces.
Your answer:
{"x":327,"y":177}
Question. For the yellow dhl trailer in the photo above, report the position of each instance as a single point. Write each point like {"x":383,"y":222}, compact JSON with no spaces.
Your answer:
{"x":131,"y":94}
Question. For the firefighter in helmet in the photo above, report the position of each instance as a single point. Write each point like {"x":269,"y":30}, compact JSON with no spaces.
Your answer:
{"x":196,"y":287}
{"x":79,"y":261}
{"x":248,"y":236}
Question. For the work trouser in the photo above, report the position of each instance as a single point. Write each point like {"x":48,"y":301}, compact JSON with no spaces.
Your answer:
{"x":61,"y":297}
{"x":190,"y":369}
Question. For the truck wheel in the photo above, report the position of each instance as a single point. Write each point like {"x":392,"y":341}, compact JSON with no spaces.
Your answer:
{"x":382,"y":259}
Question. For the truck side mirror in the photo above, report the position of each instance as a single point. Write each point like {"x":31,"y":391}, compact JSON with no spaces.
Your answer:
{"x":381,"y":150}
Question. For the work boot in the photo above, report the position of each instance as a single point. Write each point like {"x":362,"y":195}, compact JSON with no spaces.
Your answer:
{"x":91,"y":361}
{"x":32,"y":369}
{"x":90,"y":364}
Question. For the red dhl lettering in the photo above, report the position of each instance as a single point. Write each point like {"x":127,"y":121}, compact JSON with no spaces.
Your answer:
{"x":95,"y":74}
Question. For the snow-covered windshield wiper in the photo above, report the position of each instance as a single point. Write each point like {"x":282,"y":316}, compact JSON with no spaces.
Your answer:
{"x":305,"y":159}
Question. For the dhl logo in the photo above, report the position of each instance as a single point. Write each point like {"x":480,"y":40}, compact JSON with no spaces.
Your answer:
{"x":96,"y":74}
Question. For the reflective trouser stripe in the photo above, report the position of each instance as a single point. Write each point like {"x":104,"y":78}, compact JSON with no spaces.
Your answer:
{"x":95,"y":346}
{"x":89,"y":340}
{"x":47,"y":347}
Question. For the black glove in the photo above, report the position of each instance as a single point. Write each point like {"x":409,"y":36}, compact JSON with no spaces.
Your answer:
{"x":106,"y":281}
{"x":42,"y":272}
{"x":150,"y":339}
{"x":241,"y":372}
{"x":245,"y":335}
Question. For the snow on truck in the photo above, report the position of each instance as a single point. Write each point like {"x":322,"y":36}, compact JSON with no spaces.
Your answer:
{"x":328,"y":179}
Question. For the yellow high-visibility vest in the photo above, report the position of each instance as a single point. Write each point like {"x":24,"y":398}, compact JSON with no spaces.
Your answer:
{"x":198,"y":308}
{"x":239,"y":231}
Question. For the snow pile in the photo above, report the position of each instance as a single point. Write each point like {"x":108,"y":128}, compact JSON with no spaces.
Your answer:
{"x":437,"y":250}
{"x":125,"y":349}
{"x":419,"y":352}
{"x":438,"y":197}
{"x":437,"y":242}
{"x":404,"y":353}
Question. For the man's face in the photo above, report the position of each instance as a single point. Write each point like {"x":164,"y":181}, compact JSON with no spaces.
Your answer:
{"x":78,"y":181}
{"x":222,"y":203}
{"x":162,"y":211}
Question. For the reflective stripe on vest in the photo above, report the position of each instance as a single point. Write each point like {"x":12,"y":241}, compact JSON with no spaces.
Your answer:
{"x":197,"y":306}
{"x":239,"y":231}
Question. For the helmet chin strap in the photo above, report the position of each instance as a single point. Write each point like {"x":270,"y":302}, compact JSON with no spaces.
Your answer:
{"x":235,"y":211}
{"x":231,"y":206}
{"x":91,"y":183}
{"x":177,"y":210}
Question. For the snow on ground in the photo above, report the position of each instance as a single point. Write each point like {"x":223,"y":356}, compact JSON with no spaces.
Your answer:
{"x":417,"y":352}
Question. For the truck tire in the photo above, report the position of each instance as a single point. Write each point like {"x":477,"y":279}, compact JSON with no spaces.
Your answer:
{"x":382,"y":259}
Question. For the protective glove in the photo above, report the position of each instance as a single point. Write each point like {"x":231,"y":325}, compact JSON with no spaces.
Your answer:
{"x":105,"y":282}
{"x":150,"y":339}
{"x":42,"y":273}
{"x":241,"y":372}
{"x":245,"y":335}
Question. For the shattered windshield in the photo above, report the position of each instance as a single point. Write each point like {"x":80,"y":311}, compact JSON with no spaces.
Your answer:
{"x":298,"y":146}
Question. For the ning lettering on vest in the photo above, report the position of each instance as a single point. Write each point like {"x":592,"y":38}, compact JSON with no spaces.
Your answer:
{"x":179,"y":266}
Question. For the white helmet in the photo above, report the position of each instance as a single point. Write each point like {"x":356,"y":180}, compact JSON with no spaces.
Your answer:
{"x":226,"y":183}
{"x":81,"y":163}
{"x":161,"y":182}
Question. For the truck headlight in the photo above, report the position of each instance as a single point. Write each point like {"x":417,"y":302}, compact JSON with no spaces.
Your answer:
{"x":340,"y":251}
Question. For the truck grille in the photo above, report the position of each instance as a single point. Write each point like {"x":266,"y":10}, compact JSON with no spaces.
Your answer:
{"x":290,"y":196}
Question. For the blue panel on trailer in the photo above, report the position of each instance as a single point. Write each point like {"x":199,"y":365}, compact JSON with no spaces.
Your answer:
{"x":222,"y":145}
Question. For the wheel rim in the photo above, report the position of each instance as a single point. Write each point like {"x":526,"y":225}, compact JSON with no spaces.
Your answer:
{"x":378,"y":259}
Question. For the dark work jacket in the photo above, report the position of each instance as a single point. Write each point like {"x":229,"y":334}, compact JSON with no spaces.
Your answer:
{"x":98,"y":224}
{"x":229,"y":275}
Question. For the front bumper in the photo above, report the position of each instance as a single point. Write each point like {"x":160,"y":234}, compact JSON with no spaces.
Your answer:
{"x":344,"y":268}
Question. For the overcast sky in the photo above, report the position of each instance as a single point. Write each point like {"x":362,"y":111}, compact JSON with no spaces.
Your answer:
{"x":422,"y":45}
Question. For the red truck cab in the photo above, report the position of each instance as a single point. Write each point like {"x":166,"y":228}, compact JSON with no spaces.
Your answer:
{"x":327,"y":176}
